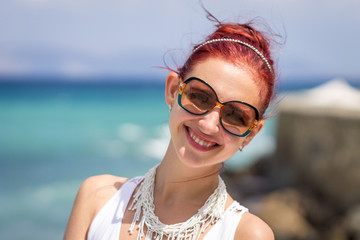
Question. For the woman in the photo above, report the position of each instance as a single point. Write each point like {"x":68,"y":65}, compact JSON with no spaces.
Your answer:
{"x":216,"y":102}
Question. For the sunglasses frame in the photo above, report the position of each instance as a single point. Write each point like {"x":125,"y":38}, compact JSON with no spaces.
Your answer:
{"x":218,"y":103}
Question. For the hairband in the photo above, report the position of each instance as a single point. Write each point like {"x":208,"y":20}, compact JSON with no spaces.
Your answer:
{"x":237,"y":41}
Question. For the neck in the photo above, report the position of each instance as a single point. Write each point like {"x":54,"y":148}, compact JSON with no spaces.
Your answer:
{"x":186,"y":216}
{"x":176,"y":181}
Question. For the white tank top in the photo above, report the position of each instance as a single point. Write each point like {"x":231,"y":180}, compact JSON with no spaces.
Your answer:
{"x":107,"y":223}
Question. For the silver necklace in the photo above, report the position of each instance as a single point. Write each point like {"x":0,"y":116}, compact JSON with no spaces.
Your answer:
{"x":143,"y":205}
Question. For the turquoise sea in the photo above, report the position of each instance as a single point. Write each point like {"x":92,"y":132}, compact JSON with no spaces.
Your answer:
{"x":55,"y":135}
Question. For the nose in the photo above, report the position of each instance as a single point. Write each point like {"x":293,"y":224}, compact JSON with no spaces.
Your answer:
{"x":210,"y":122}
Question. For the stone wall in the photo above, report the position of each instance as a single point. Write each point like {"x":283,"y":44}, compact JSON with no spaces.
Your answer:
{"x":321,"y":149}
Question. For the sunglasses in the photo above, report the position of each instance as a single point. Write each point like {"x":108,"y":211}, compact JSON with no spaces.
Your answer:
{"x":198,"y":98}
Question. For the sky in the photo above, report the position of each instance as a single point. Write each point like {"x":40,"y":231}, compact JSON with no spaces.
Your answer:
{"x":113,"y":38}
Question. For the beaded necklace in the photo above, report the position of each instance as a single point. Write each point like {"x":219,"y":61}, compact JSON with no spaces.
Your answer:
{"x":143,"y":205}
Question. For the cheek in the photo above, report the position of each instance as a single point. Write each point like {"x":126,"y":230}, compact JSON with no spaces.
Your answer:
{"x":232,"y":143}
{"x":177,"y":117}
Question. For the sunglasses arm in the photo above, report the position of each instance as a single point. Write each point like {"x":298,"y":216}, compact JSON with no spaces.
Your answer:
{"x":255,"y":124}
{"x":181,"y":87}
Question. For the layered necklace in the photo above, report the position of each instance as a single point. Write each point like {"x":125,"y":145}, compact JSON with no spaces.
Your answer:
{"x":143,"y":205}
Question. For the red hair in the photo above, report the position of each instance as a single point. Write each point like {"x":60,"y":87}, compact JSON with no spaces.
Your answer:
{"x":238,"y":54}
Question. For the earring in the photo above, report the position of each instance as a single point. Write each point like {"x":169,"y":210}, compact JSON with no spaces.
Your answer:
{"x":241,"y":148}
{"x":170,"y":108}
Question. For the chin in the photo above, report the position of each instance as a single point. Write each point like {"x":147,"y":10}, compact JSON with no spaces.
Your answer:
{"x":193,"y":160}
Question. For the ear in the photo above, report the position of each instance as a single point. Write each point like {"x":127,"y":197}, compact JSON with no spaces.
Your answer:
{"x":171,"y":88}
{"x":253,"y":133}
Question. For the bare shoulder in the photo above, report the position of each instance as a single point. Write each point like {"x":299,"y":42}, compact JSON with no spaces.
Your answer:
{"x":101,"y":186}
{"x":97,"y":190}
{"x":252,"y":227}
{"x":92,"y":195}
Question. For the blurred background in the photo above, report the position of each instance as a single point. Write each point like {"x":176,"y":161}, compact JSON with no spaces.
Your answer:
{"x":81,"y":94}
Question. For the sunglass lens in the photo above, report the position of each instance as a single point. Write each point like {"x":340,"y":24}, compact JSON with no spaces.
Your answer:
{"x":197,"y":97}
{"x":237,"y":117}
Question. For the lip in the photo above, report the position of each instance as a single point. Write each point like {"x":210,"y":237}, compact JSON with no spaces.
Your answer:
{"x":198,"y":146}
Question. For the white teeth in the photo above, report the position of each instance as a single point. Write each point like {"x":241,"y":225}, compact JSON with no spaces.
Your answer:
{"x":199,"y":141}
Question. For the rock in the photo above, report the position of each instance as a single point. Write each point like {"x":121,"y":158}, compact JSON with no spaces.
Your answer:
{"x":352,"y":223}
{"x":246,"y":183}
{"x":319,"y":142}
{"x":283,"y":212}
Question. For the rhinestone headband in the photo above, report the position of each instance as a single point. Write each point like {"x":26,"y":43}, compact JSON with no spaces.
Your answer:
{"x":242,"y":43}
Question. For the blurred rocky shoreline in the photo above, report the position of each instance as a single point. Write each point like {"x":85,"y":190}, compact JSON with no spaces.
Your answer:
{"x":309,"y":188}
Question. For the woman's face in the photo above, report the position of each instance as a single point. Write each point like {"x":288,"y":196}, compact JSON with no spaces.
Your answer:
{"x":200,"y":140}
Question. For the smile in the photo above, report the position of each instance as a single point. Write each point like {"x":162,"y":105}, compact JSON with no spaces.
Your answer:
{"x":199,"y":141}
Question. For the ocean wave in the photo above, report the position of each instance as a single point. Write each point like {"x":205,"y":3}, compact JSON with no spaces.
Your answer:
{"x":155,"y":147}
{"x":137,"y":141}
{"x":130,"y":132}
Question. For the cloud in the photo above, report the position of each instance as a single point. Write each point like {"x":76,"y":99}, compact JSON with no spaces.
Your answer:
{"x":12,"y":66}
{"x":76,"y":69}
{"x":84,"y":36}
